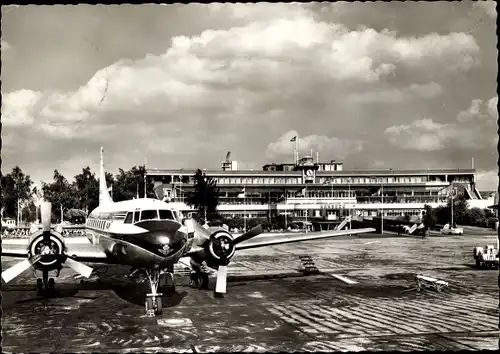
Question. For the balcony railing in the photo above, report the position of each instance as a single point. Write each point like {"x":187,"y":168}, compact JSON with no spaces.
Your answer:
{"x":393,"y":199}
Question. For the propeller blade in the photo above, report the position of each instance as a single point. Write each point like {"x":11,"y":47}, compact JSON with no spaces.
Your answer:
{"x":45,"y":211}
{"x":18,"y":268}
{"x":257,"y":230}
{"x":79,"y":267}
{"x":221,"y":282}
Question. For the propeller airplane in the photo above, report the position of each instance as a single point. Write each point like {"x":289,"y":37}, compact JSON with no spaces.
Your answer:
{"x":148,"y":235}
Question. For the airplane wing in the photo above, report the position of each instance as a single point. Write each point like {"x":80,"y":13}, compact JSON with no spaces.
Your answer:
{"x":79,"y":249}
{"x":297,"y":237}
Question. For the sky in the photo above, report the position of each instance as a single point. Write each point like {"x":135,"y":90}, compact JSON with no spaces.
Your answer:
{"x":403,"y":85}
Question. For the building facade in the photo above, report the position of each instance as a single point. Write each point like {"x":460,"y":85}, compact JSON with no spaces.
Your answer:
{"x":324,"y":190}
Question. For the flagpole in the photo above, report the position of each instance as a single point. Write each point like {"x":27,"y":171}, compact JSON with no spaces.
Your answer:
{"x":382,"y":220}
{"x":297,"y":147}
{"x":307,"y":209}
{"x":145,"y":162}
{"x":286,"y":209}
{"x":244,"y":210}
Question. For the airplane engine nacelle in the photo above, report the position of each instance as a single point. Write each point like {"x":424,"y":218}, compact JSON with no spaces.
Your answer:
{"x":220,"y":243}
{"x":52,"y":255}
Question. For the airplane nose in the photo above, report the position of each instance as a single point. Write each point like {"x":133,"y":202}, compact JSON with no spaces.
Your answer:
{"x":165,"y":236}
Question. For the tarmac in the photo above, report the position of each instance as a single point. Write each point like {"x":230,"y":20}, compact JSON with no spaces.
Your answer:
{"x":364,"y":299}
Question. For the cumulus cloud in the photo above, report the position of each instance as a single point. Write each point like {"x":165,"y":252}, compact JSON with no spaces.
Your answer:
{"x":474,"y":129}
{"x":318,"y":143}
{"x":19,"y":108}
{"x":487,"y":180}
{"x":414,"y":91}
{"x":5,"y":45}
{"x":267,"y":68}
{"x":269,"y":56}
{"x":490,"y":7}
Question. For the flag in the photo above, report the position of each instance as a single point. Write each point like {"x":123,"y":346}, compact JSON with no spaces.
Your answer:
{"x":301,"y":193}
{"x":293,"y":139}
{"x":242,"y":193}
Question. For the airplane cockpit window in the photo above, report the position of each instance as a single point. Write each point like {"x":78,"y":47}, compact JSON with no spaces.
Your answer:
{"x":136,"y":216}
{"x":166,"y":215}
{"x":149,"y":215}
{"x":129,"y":218}
{"x":119,"y":215}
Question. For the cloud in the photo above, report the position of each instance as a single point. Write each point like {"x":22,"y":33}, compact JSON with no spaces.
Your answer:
{"x":219,"y":67}
{"x":239,"y":84}
{"x":318,"y":143}
{"x":395,"y":95}
{"x":490,"y":7}
{"x":20,"y":108}
{"x":474,"y":129}
{"x":487,"y":180}
{"x":5,"y":45}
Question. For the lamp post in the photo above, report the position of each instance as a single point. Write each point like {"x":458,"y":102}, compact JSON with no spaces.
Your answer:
{"x":382,"y":219}
{"x":349,"y":184}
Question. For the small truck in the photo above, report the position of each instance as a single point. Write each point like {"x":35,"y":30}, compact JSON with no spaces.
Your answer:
{"x":486,"y":257}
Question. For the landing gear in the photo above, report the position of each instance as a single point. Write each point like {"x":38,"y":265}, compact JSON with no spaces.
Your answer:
{"x":153,"y":303}
{"x":45,"y":286}
{"x":198,"y":280}
{"x":167,"y":281}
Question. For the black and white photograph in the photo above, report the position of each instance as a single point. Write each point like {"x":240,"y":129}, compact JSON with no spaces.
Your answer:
{"x":250,"y":177}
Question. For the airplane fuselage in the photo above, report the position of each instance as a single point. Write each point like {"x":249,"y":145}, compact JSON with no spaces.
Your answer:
{"x":141,"y":233}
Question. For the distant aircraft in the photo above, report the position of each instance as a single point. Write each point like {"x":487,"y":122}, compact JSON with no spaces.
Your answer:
{"x":148,"y":235}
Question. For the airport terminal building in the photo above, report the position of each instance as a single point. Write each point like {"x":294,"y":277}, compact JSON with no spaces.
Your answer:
{"x":321,"y":190}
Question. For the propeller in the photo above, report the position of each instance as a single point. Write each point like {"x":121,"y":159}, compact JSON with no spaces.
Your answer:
{"x":255,"y":231}
{"x":227,"y":249}
{"x":21,"y":267}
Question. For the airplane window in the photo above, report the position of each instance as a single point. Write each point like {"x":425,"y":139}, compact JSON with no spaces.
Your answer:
{"x":119,"y":215}
{"x":149,"y":215}
{"x":136,"y":216}
{"x":128,"y":218}
{"x":166,"y":215}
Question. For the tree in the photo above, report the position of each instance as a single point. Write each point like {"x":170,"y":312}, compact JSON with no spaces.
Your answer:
{"x":61,"y":194}
{"x":29,"y":212}
{"x":86,"y":190}
{"x":205,"y":196}
{"x":460,"y":207}
{"x":430,"y":218}
{"x":16,"y":186}
{"x":129,"y":184}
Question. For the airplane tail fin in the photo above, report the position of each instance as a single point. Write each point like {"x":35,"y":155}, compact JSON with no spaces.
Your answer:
{"x":104,"y":197}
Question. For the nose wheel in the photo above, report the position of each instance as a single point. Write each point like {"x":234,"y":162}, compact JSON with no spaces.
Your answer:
{"x":153,"y":303}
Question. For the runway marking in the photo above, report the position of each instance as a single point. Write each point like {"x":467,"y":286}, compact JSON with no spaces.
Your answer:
{"x":344,"y":279}
{"x":256,"y":295}
{"x":174,"y":322}
{"x":369,"y":243}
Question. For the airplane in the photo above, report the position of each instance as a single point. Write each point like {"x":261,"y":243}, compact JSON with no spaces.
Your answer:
{"x":148,"y":235}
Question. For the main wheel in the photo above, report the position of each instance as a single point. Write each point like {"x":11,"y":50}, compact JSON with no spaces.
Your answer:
{"x":148,"y":304}
{"x":39,"y":286}
{"x":158,"y":307}
{"x":193,"y":280}
{"x":51,"y":285}
{"x":203,"y":281}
